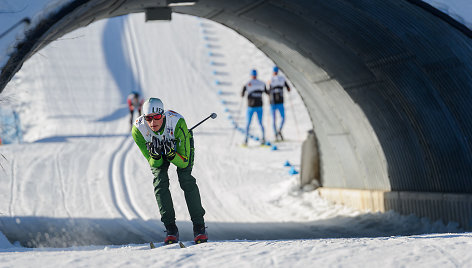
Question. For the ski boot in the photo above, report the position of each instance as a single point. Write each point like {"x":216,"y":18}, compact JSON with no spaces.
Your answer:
{"x":172,"y":234}
{"x":199,"y":233}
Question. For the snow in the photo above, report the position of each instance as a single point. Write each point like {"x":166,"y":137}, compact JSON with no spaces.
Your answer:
{"x":80,"y":192}
{"x":438,"y":250}
{"x":13,"y":11}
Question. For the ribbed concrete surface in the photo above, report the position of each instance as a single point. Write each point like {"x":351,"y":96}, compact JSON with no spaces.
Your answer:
{"x":386,"y":83}
{"x":435,"y":206}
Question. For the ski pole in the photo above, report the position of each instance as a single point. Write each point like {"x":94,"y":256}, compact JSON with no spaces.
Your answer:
{"x":212,"y":116}
{"x":1,"y":164}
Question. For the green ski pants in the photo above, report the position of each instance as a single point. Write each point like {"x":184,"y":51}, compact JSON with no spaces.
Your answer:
{"x":187,"y":183}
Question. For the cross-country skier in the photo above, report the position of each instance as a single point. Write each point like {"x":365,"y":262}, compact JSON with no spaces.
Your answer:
{"x":255,"y":88}
{"x":134,"y":103}
{"x":276,"y":94}
{"x":163,"y":138}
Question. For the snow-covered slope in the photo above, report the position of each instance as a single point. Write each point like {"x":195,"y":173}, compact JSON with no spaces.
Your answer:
{"x":79,"y":180}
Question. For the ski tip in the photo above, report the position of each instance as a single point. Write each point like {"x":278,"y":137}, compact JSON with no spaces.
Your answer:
{"x":151,"y":245}
{"x":181,"y":245}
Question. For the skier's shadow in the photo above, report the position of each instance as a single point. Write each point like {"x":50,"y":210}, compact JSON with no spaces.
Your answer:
{"x":66,"y":232}
{"x":118,"y":65}
{"x":66,"y":138}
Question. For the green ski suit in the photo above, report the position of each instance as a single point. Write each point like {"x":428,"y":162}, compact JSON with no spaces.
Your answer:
{"x":173,"y":127}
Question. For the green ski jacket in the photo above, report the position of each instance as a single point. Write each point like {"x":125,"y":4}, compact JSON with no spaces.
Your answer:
{"x":174,"y":128}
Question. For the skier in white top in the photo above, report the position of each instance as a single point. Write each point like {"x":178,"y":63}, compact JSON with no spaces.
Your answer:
{"x":255,"y":88}
{"x":276,"y":94}
{"x":164,"y":139}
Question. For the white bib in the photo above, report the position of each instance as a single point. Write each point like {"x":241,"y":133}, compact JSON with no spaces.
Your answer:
{"x":277,"y":81}
{"x":169,"y":129}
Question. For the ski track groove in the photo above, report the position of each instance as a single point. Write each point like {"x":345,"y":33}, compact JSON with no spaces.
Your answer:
{"x":12,"y":188}
{"x":448,"y":256}
{"x":125,"y":180}
{"x":116,"y":198}
{"x":113,"y":187}
{"x":61,"y":180}
{"x":127,"y":194}
{"x":119,"y":165}
{"x":134,"y":51}
{"x":122,"y":198}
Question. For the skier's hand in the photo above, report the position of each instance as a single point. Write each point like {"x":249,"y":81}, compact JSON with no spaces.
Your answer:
{"x":169,"y":151}
{"x":155,"y":148}
{"x":152,"y":152}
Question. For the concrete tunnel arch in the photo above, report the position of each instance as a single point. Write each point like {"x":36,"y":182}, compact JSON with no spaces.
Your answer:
{"x":387,"y":85}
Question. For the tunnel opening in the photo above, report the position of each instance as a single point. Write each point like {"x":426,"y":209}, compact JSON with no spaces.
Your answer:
{"x":387,"y":96}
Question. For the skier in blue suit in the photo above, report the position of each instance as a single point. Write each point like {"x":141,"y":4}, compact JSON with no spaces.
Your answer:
{"x":276,"y":94}
{"x":255,"y":88}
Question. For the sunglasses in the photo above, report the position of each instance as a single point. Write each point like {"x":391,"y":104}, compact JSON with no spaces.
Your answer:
{"x":151,"y":117}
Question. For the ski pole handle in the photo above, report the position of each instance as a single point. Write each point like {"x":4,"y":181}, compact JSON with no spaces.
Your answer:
{"x":212,"y":116}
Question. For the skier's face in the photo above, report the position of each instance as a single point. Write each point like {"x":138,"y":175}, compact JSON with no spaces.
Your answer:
{"x":155,"y":124}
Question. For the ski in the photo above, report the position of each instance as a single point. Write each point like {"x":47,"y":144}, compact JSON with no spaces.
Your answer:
{"x":152,"y":246}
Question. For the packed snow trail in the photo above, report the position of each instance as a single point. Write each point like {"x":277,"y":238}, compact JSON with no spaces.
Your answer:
{"x":97,"y":177}
{"x":79,"y":180}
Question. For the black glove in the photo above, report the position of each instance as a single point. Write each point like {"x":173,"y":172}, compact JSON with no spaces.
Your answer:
{"x":155,"y":148}
{"x":168,"y":149}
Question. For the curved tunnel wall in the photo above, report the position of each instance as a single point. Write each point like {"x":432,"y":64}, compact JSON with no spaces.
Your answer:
{"x":387,"y":84}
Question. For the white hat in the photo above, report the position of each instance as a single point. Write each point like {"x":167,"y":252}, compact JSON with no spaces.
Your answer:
{"x":153,"y":105}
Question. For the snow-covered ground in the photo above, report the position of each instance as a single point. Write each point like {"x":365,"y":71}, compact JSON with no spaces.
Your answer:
{"x":18,"y":16}
{"x":80,"y":191}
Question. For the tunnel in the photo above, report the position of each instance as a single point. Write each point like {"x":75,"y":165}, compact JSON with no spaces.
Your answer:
{"x":387,"y":85}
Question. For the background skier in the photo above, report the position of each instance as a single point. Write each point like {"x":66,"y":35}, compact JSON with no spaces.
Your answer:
{"x":276,"y":94}
{"x":163,"y":138}
{"x":134,"y":103}
{"x":255,"y":88}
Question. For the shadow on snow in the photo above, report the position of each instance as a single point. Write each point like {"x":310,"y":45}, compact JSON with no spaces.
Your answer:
{"x":66,"y":232}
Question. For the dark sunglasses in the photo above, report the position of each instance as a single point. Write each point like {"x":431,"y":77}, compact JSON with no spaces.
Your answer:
{"x":155,"y":117}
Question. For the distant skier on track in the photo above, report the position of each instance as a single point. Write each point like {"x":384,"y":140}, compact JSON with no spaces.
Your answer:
{"x":255,"y":88}
{"x":134,"y":103}
{"x":163,"y":138}
{"x":276,"y":94}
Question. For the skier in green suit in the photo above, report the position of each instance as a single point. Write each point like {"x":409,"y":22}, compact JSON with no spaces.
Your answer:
{"x":163,"y":138}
